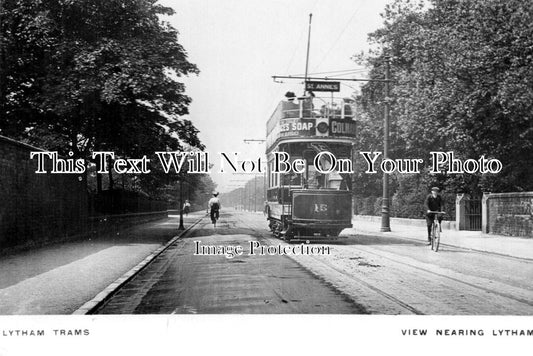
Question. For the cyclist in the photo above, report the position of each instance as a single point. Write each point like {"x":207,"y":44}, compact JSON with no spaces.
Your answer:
{"x":186,"y":207}
{"x":214,"y":207}
{"x":433,"y":202}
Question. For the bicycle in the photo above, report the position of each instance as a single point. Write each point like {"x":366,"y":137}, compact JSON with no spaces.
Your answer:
{"x":435,"y":230}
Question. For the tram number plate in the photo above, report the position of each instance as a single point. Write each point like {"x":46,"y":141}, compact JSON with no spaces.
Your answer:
{"x":321,"y":208}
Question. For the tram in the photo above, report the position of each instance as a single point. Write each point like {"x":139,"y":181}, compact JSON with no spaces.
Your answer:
{"x":316,"y":200}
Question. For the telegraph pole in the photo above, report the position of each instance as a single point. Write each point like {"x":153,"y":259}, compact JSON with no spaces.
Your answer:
{"x":181,"y":227}
{"x":385,"y":211}
{"x":255,"y":194}
{"x":250,"y":140}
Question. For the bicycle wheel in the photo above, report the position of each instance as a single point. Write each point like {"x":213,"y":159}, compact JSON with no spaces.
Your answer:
{"x":437,"y":237}
{"x":433,"y":229}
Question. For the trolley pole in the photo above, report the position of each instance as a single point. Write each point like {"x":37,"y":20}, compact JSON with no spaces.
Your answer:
{"x":385,"y":211}
{"x":307,"y":57}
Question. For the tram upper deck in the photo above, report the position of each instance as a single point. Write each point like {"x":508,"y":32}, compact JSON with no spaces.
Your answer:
{"x":309,"y":119}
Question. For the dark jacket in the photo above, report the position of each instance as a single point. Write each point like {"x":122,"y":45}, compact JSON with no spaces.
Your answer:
{"x":433,"y":204}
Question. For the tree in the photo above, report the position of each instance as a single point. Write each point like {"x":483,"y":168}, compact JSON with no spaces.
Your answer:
{"x":463,"y":82}
{"x":92,"y":75}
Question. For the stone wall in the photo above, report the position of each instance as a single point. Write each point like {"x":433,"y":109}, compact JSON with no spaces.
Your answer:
{"x":37,"y":208}
{"x":508,"y":214}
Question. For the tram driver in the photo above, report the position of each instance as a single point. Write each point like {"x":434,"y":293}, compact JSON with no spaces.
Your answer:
{"x":315,"y":179}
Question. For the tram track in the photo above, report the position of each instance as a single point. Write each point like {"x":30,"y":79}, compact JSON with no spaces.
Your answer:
{"x":374,"y":288}
{"x":411,"y":309}
{"x":427,"y":271}
{"x":360,"y":281}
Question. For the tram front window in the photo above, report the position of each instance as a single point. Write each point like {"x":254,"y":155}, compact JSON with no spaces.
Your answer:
{"x":317,"y":180}
{"x":292,"y":179}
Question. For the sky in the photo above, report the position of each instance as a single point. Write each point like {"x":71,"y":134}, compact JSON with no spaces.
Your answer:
{"x":238,"y":45}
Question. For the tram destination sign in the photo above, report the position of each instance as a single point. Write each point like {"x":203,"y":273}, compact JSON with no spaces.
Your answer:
{"x":311,"y":85}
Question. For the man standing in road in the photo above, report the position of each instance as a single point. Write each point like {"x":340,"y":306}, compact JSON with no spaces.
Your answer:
{"x":433,"y":202}
{"x":214,"y":207}
{"x":266,"y":209}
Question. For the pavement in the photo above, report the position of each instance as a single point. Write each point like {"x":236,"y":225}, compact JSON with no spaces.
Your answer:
{"x":473,"y":240}
{"x":59,"y":278}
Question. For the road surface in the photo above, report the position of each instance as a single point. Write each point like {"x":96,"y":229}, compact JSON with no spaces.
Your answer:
{"x":361,"y":274}
{"x":180,"y":281}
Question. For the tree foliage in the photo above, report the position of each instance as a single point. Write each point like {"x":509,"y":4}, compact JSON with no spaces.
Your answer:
{"x":463,"y":82}
{"x":90,"y":75}
{"x":95,"y":73}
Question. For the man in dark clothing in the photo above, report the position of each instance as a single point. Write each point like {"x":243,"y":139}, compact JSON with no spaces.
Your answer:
{"x":433,"y":202}
{"x":213,"y":207}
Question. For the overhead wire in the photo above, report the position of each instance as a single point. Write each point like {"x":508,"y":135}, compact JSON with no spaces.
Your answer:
{"x":280,"y":89}
{"x":336,"y":72}
{"x":349,"y":86}
{"x":278,"y":92}
{"x":340,"y":35}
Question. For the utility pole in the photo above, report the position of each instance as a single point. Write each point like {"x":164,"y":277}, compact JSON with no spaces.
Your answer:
{"x":255,"y":194}
{"x":385,"y":211}
{"x":265,"y":187}
{"x":250,"y":140}
{"x":181,"y":227}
